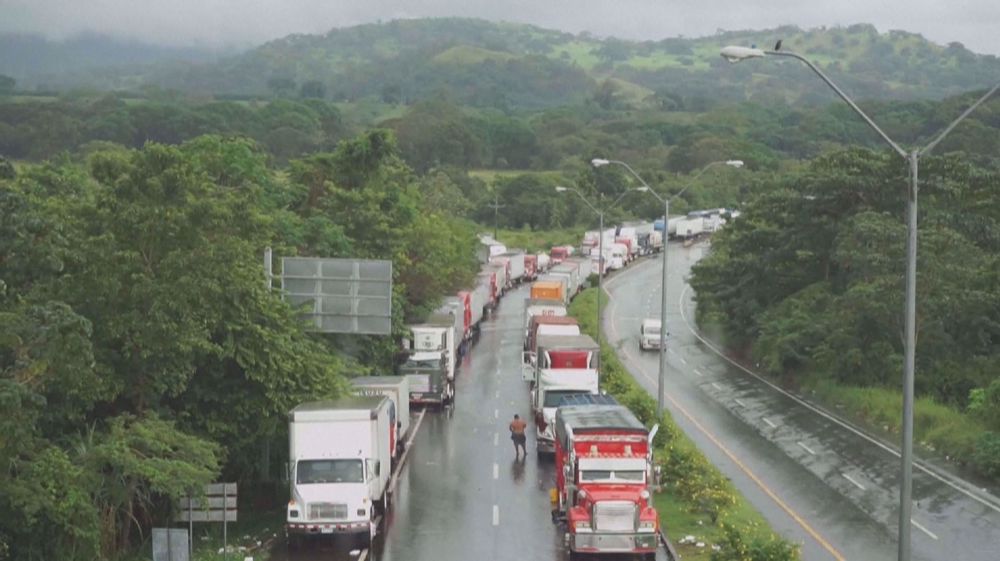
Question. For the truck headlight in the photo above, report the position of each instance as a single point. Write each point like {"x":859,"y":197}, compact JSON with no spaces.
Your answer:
{"x":582,"y":524}
{"x":647,"y":525}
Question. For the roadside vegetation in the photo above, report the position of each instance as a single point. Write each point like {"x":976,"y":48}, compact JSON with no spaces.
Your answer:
{"x":809,"y":285}
{"x":696,"y":500}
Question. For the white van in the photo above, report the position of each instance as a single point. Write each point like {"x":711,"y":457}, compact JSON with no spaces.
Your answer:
{"x":649,"y":334}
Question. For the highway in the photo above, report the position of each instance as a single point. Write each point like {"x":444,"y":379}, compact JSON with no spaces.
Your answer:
{"x":819,"y":481}
{"x":461,"y":495}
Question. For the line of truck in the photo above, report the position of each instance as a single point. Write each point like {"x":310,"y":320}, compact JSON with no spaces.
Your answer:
{"x":342,"y":452}
{"x":603,"y":455}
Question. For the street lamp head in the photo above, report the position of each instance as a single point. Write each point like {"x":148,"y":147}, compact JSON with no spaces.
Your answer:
{"x":734,"y":163}
{"x":737,"y":54}
{"x":598,"y":162}
{"x":560,"y":188}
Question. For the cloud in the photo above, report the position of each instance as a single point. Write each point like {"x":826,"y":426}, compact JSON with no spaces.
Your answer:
{"x":249,"y":22}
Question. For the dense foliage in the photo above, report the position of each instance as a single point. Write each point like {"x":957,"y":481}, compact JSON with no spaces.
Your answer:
{"x":812,"y":279}
{"x":513,"y":66}
{"x":141,"y":353}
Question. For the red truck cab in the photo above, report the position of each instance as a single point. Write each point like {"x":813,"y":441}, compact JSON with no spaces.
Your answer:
{"x":604,"y":476}
{"x":558,"y":254}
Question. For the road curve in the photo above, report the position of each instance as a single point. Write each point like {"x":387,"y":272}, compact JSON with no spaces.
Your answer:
{"x":820,"y":482}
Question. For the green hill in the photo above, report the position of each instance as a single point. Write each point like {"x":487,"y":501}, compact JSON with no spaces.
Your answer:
{"x":504,"y":65}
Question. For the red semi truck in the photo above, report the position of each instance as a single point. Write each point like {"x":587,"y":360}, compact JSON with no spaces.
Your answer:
{"x":604,"y":475}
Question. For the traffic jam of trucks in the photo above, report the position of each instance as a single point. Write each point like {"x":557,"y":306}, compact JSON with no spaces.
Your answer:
{"x":342,"y":453}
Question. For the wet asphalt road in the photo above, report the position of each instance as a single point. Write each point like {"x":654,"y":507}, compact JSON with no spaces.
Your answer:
{"x":819,"y":483}
{"x":461,"y":495}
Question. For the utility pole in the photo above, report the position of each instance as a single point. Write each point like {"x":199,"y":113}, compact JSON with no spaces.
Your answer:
{"x":496,"y":206}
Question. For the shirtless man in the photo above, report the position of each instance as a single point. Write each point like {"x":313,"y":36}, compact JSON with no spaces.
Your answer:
{"x":517,"y":427}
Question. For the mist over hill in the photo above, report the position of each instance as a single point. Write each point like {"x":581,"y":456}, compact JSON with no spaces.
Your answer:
{"x":516,"y":66}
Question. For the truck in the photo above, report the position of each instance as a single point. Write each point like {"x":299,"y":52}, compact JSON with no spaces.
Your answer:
{"x":530,"y":267}
{"x":619,"y":256}
{"x":339,"y":456}
{"x":478,"y":299}
{"x":585,"y":268}
{"x":516,"y":263}
{"x":560,"y":252}
{"x":488,"y":247}
{"x":397,"y":389}
{"x":546,"y":288}
{"x":430,"y":360}
{"x":543,"y":307}
{"x":499,"y":269}
{"x":488,"y":279}
{"x":688,"y":228}
{"x":542,"y":263}
{"x":570,"y":270}
{"x":604,"y":474}
{"x":559,"y":351}
{"x":549,"y":325}
{"x":460,"y":308}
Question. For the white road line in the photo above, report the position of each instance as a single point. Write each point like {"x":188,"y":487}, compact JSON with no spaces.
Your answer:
{"x":496,"y":471}
{"x":496,"y":515}
{"x":698,"y":372}
{"x":363,"y":555}
{"x":740,"y":403}
{"x":671,"y":351}
{"x":828,"y":416}
{"x":683,"y":361}
{"x":851,"y":479}
{"x":769,"y":423}
{"x":497,"y":395}
{"x":406,"y":452}
{"x":717,"y":386}
{"x":806,"y":448}
{"x":924,"y":530}
{"x":496,"y":438}
{"x":496,"y":413}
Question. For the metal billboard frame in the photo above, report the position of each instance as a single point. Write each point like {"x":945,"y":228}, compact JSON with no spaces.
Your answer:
{"x":347,"y":295}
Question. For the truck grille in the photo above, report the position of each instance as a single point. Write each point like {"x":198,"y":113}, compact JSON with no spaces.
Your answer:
{"x":327,"y":511}
{"x":614,"y":516}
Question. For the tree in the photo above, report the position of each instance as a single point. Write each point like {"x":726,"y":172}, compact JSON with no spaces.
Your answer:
{"x":281,"y":86}
{"x":312,"y":89}
{"x":7,"y":84}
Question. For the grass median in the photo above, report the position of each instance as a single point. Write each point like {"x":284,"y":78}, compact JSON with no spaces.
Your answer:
{"x":696,"y":499}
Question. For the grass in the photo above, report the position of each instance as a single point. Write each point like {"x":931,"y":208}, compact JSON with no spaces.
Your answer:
{"x":467,"y":54}
{"x":937,"y":428}
{"x":542,"y":240}
{"x":253,"y":527}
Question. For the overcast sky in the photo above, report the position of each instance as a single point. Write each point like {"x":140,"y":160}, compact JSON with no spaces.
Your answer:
{"x":975,"y":23}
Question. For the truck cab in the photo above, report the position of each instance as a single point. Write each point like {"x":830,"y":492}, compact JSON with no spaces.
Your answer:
{"x":430,"y":360}
{"x":564,"y":364}
{"x":339,"y":467}
{"x":604,"y":475}
{"x":649,"y":334}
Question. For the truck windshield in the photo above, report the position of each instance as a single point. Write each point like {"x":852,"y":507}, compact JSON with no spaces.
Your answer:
{"x":412,"y":364}
{"x":553,"y":398}
{"x":651,"y":329}
{"x":329,"y":471}
{"x":628,"y":476}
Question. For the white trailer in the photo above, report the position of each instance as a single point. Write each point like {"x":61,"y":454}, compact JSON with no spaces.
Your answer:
{"x":551,"y":386}
{"x":479,"y":297}
{"x":542,"y":262}
{"x":570,"y":270}
{"x":340,"y":454}
{"x":688,"y":228}
{"x":397,"y":389}
{"x":516,"y":266}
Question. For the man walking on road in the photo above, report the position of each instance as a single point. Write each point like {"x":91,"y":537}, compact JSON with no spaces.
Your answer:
{"x":517,"y":427}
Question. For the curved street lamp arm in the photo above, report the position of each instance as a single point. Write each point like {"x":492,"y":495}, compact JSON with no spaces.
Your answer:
{"x":843,"y":96}
{"x":584,"y":199}
{"x":955,"y":123}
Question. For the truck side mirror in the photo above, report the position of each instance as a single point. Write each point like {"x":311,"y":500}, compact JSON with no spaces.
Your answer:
{"x":288,"y":471}
{"x":378,"y":467}
{"x":658,"y":475}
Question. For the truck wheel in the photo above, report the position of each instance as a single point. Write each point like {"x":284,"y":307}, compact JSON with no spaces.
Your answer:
{"x":294,"y":542}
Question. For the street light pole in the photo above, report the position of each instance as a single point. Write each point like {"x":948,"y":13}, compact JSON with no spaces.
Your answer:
{"x":662,"y":375}
{"x":912,"y":158}
{"x":600,"y":261}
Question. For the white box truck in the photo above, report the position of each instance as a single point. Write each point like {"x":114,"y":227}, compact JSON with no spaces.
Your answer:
{"x":397,"y":389}
{"x":339,"y":457}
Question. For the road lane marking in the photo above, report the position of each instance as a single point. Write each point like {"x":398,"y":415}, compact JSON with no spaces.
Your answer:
{"x":683,"y":361}
{"x":363,"y":555}
{"x":732,"y":457}
{"x":496,"y":515}
{"x":496,"y":438}
{"x":698,"y":372}
{"x":740,"y":403}
{"x":497,"y":394}
{"x":769,"y":423}
{"x":717,"y":386}
{"x":671,"y":351}
{"x":851,"y":479}
{"x":924,"y":530}
{"x":496,"y":413}
{"x":828,"y":416}
{"x":496,"y":471}
{"x":806,"y":448}
{"x":406,"y":452}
